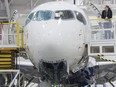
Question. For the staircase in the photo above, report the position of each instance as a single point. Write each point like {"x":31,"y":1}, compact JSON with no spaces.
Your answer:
{"x":7,"y":60}
{"x":94,"y":9}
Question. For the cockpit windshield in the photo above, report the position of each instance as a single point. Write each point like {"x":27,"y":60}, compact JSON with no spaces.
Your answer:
{"x":43,"y":15}
{"x":64,"y":14}
{"x":47,"y":15}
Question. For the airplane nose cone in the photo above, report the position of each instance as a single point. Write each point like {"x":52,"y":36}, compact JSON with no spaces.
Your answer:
{"x":54,"y":42}
{"x":51,"y":52}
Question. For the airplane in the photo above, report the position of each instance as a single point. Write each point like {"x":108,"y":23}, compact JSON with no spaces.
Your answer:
{"x":57,"y":31}
{"x":56,"y":43}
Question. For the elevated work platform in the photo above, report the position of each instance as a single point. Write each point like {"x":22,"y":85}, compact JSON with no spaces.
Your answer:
{"x":10,"y":43}
{"x":103,"y":38}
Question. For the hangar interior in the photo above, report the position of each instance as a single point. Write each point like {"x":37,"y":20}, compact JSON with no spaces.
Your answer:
{"x":13,"y":14}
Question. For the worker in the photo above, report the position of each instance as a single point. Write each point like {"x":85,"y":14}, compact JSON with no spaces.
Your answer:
{"x":107,"y":15}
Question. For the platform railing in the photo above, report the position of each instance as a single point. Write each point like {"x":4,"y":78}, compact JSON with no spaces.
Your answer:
{"x":103,"y":1}
{"x":108,"y":1}
{"x":15,"y":80}
{"x":102,"y":30}
{"x":10,"y":34}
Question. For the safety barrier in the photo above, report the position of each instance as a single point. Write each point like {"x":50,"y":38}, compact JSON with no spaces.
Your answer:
{"x":105,"y":59}
{"x":102,"y":30}
{"x":10,"y":35}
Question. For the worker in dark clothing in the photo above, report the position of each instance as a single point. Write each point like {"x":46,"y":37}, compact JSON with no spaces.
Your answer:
{"x":107,"y":15}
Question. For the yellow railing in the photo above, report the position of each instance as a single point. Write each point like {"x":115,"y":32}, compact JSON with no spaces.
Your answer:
{"x":99,"y":19}
{"x":18,"y":34}
{"x":22,"y":38}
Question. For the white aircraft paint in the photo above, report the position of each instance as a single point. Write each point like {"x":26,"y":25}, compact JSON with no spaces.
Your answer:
{"x":53,"y":40}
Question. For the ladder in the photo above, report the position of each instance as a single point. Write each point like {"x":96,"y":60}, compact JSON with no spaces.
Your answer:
{"x":95,"y":9}
{"x":90,"y":5}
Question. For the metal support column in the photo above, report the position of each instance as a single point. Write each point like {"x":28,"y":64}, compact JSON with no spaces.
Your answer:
{"x":31,"y":4}
{"x":104,"y":85}
{"x":95,"y":84}
{"x":7,"y":8}
{"x":74,"y":1}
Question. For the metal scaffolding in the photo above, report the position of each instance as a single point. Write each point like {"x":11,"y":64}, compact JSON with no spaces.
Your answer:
{"x":15,"y":77}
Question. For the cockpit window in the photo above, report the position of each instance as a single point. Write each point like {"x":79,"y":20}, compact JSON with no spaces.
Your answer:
{"x":64,"y":14}
{"x":80,"y":17}
{"x":43,"y":15}
{"x":30,"y":17}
